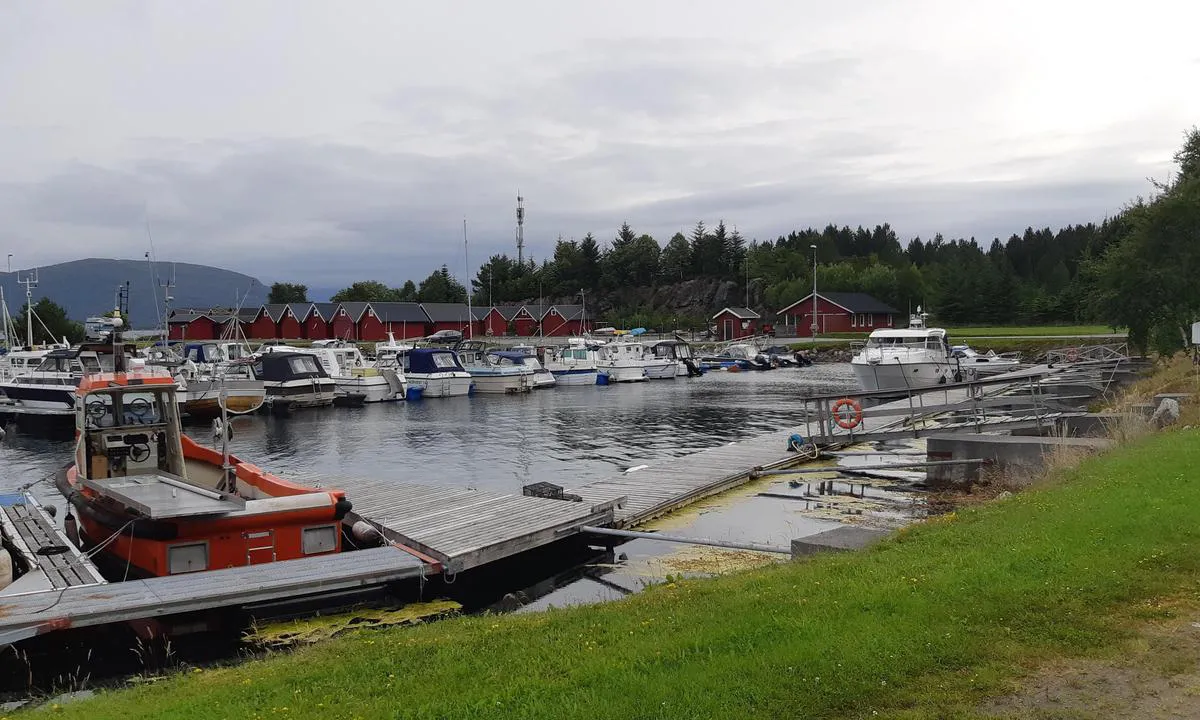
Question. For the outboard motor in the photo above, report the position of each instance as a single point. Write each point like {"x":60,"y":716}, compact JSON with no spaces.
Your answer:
{"x":692,"y":368}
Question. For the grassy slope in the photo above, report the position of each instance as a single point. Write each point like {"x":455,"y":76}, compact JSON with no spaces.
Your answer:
{"x":927,"y":622}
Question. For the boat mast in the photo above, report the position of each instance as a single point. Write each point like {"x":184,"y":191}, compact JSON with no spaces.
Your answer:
{"x":467,"y":264}
{"x":30,"y":282}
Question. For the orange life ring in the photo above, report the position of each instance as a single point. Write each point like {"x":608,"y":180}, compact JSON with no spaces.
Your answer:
{"x":1072,"y":355}
{"x":847,"y":420}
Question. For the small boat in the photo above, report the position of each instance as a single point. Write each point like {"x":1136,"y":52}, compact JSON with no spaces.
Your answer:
{"x":745,"y":356}
{"x":574,"y":364}
{"x":622,"y":361}
{"x":345,"y":363}
{"x":209,"y":369}
{"x":493,"y":371}
{"x":153,"y":502}
{"x":975,"y":365}
{"x":542,"y":377}
{"x":436,"y":371}
{"x":50,"y":387}
{"x":295,"y":377}
{"x":683,"y":363}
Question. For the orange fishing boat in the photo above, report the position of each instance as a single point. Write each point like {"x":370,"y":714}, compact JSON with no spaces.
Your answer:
{"x":158,"y":503}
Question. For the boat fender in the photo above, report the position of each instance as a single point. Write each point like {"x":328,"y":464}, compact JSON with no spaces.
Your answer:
{"x":601,"y":379}
{"x":366,"y":534}
{"x":847,"y":413}
{"x":1072,"y":355}
{"x":6,"y":569}
{"x":71,"y":527}
{"x":341,"y":507}
{"x":795,"y":442}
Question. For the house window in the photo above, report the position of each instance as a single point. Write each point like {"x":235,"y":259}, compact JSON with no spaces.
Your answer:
{"x":853,"y":320}
{"x":870,"y":321}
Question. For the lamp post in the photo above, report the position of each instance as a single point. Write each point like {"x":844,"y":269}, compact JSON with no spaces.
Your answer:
{"x":814,"y":314}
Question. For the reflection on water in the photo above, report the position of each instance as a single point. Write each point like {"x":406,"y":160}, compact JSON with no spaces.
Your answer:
{"x":562,"y":435}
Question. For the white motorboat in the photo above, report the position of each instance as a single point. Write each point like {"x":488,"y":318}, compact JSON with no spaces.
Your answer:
{"x":683,"y":363}
{"x":20,"y":361}
{"x":436,"y":371}
{"x":622,"y":361}
{"x":919,"y":356}
{"x":983,"y":365}
{"x":355,"y":376}
{"x":295,"y":378}
{"x":495,"y":372}
{"x":50,"y":387}
{"x":574,"y":364}
{"x":542,"y":377}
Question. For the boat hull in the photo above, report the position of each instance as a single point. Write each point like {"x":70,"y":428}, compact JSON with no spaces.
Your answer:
{"x":663,"y":370}
{"x":441,"y":384}
{"x":901,"y":375}
{"x":374,"y":389}
{"x":575,"y":378}
{"x":502,"y":384}
{"x":41,"y":398}
{"x":303,"y":393}
{"x":623,"y":373}
{"x":202,"y":398}
{"x":543,"y":379}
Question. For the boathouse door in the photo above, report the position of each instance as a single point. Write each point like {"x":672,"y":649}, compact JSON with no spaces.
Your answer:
{"x":729,"y":330}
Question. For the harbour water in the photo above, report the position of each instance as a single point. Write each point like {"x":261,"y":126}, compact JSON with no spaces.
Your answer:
{"x":567,"y":436}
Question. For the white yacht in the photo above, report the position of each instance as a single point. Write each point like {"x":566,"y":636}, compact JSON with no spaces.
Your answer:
{"x":50,"y":387}
{"x":919,"y":356}
{"x":683,"y":363}
{"x":574,"y":364}
{"x":622,"y":361}
{"x":20,"y":361}
{"x":436,"y":371}
{"x":494,"y":371}
{"x":294,"y":378}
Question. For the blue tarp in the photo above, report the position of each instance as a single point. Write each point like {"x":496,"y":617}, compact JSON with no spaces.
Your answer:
{"x":432,"y":360}
{"x":638,"y":331}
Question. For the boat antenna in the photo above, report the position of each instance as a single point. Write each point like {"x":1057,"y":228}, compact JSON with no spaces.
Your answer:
{"x":467,"y":270}
{"x":150,"y":260}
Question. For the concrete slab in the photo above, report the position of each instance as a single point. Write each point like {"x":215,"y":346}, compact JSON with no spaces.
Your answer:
{"x":846,"y":537}
{"x":1024,"y":454}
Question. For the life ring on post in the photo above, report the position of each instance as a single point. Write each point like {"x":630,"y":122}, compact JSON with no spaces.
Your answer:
{"x":847,"y":413}
{"x":1072,"y":355}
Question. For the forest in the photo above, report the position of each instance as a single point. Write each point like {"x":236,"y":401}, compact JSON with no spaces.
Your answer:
{"x":1130,"y":270}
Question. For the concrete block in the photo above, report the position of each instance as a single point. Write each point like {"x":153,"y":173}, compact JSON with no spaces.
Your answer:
{"x":841,"y":539}
{"x":1005,"y":451}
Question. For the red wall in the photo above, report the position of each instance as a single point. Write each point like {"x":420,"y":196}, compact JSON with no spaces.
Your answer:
{"x":263,"y":328}
{"x":736,"y":331}
{"x":343,"y":327}
{"x":554,"y":325}
{"x":832,"y":319}
{"x":315,"y":327}
{"x":496,"y":323}
{"x":404,"y":331}
{"x":459,"y":326}
{"x":198,"y":329}
{"x":289,"y":327}
{"x":370,"y":328}
{"x":526,"y":325}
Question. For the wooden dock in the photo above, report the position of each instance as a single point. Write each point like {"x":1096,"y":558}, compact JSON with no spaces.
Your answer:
{"x":463,"y":528}
{"x":30,"y":614}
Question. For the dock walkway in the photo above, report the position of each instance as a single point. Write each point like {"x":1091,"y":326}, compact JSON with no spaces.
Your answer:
{"x":462,"y":528}
{"x":24,"y":616}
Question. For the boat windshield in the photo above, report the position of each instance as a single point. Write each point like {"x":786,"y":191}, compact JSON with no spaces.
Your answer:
{"x":125,"y":408}
{"x":903,"y":342}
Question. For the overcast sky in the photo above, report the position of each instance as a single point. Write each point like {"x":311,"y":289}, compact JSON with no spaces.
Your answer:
{"x":327,"y":142}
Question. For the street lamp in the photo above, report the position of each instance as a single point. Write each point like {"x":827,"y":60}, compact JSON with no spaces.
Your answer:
{"x":814,"y":314}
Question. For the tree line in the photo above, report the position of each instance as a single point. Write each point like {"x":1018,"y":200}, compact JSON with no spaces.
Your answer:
{"x":1088,"y":272}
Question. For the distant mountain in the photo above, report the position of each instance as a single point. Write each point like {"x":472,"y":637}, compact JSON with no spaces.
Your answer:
{"x":88,"y":287}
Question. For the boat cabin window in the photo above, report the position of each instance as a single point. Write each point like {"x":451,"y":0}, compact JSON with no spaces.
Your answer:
{"x":303,"y":364}
{"x":90,"y":363}
{"x":444,"y":360}
{"x":127,"y":431}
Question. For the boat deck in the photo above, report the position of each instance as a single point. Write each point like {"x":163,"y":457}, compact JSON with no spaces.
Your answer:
{"x":463,"y":528}
{"x":25,"y":616}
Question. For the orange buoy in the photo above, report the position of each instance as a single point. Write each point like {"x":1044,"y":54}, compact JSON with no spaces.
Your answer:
{"x":847,"y":413}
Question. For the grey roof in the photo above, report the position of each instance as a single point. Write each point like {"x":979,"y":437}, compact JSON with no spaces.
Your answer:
{"x":480,"y":313}
{"x":275,"y":310}
{"x":401,"y":312}
{"x":854,"y":302}
{"x":186,"y":315}
{"x":740,"y":313}
{"x":446,"y":312}
{"x":354,"y":309}
{"x":567,"y":312}
{"x":300,"y":310}
{"x":508,"y":312}
{"x":247,"y":314}
{"x":325,"y":309}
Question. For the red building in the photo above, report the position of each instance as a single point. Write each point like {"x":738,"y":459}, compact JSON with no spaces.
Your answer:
{"x":736,"y":322}
{"x":561,"y":320}
{"x":405,"y":320}
{"x":837,"y":312}
{"x":498,"y":320}
{"x":287,"y":323}
{"x":525,"y":320}
{"x":344,"y":325}
{"x":317,"y":321}
{"x":447,"y":316}
{"x":261,"y":325}
{"x":187,"y":324}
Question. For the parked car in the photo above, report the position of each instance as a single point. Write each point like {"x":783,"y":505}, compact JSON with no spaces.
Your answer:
{"x":448,"y":337}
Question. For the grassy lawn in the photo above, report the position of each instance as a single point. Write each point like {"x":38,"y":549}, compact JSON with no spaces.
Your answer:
{"x":923,"y":626}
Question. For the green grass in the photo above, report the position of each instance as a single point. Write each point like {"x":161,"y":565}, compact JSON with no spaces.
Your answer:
{"x":924,"y":625}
